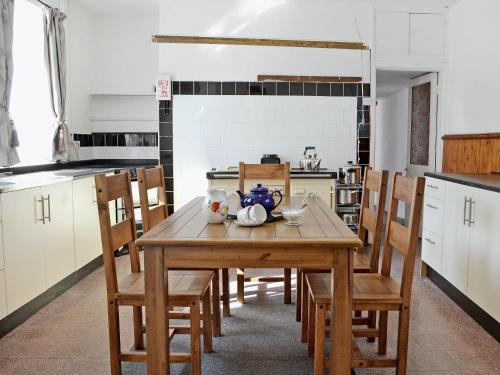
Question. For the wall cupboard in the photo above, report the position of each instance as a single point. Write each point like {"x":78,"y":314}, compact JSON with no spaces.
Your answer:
{"x":460,"y":240}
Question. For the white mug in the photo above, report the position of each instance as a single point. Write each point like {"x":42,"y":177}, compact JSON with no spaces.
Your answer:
{"x":252,"y":214}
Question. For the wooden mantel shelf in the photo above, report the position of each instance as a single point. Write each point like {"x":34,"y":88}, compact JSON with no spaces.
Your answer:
{"x":472,"y":136}
{"x":186,"y":39}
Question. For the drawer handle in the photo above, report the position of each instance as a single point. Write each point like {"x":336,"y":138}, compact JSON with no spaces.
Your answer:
{"x":430,"y":241}
{"x":433,"y":187}
{"x":42,"y":201}
{"x":431,"y":206}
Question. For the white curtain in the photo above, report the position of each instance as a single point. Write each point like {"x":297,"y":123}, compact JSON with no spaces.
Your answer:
{"x":63,"y":147}
{"x":8,"y":134}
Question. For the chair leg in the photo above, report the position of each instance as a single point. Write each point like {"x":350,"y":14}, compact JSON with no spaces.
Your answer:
{"x":207,"y":324}
{"x":304,"y":321}
{"x":287,"y":295}
{"x":382,"y":334}
{"x":311,"y":328}
{"x":114,"y":338}
{"x":403,"y":332}
{"x":225,"y":293}
{"x":372,"y":323}
{"x":216,"y":304}
{"x":195,"y":338}
{"x":298,"y":295}
{"x":319,"y":338}
{"x":240,"y":285}
{"x":138,"y":334}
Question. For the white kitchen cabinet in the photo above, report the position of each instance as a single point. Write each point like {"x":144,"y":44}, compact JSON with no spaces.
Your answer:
{"x":58,"y":237}
{"x":3,"y":295}
{"x":392,"y":33}
{"x":427,"y":34}
{"x":24,"y":246}
{"x":86,"y":222}
{"x":484,"y":261}
{"x":432,"y":250}
{"x":433,"y":215}
{"x":456,"y":236}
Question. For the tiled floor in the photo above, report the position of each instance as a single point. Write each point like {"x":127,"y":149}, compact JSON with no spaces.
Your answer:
{"x":69,"y":336}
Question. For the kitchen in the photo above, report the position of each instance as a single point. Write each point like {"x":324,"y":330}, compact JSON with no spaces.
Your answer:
{"x":267,"y":105}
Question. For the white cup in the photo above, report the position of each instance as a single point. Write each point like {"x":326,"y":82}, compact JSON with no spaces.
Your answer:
{"x":257,"y":214}
{"x":243,"y":215}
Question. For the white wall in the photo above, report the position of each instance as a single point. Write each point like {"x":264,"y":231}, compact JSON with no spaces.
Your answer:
{"x":392,"y":134}
{"x":320,"y":20}
{"x":211,"y":131}
{"x":473,"y":79}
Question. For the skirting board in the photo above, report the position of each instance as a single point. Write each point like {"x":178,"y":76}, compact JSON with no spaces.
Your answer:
{"x":485,"y":320}
{"x":19,"y":316}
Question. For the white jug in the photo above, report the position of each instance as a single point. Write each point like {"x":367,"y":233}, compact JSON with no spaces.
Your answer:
{"x":215,"y":208}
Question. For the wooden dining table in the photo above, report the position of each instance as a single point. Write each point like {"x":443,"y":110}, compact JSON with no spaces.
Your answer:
{"x":185,"y":240}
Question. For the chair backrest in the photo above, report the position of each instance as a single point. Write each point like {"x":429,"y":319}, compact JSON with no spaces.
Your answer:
{"x":397,"y":236}
{"x":265,"y":171}
{"x":151,"y":179}
{"x":372,"y":220}
{"x":110,"y":188}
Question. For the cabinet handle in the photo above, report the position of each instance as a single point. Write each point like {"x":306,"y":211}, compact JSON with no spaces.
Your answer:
{"x":433,"y":187}
{"x":471,"y":202}
{"x":430,"y":241}
{"x":312,"y":195}
{"x":431,"y":206}
{"x":48,"y":206}
{"x":43,"y":210}
{"x":466,"y":200}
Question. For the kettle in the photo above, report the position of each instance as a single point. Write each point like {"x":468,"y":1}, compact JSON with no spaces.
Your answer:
{"x":260,"y":195}
{"x":310,"y":161}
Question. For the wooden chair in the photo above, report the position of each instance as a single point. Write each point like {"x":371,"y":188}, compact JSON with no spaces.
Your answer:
{"x":366,"y":259}
{"x":153,"y":178}
{"x":377,"y":291}
{"x":265,"y":172}
{"x":186,"y":288}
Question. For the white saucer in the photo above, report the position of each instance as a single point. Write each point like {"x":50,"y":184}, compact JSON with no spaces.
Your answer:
{"x":247,"y":224}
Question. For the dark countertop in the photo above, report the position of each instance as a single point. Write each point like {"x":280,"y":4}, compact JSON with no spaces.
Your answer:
{"x":484,"y":181}
{"x":294,"y":174}
{"x":50,"y":174}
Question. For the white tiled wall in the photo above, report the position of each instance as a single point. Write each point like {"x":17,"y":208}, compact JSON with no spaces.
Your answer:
{"x":211,"y":131}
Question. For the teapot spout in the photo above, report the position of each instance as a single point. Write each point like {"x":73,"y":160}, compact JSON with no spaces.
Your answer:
{"x":242,"y":197}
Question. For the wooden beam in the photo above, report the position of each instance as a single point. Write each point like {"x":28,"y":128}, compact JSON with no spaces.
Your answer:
{"x":472,"y":136}
{"x":263,"y":77}
{"x":186,"y":39}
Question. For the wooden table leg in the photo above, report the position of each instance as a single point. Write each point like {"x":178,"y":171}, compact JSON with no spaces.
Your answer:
{"x":341,"y":324}
{"x":156,"y":283}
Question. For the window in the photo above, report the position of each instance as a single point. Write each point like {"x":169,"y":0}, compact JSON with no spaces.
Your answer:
{"x":30,"y":106}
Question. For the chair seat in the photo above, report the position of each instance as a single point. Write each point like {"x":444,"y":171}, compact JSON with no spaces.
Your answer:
{"x":183,"y":286}
{"x":362,"y":259}
{"x":368,"y":288}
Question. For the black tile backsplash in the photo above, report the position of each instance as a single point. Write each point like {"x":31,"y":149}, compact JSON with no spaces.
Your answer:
{"x":99,"y":140}
{"x":166,"y":129}
{"x":200,"y":88}
{"x":297,"y":88}
{"x":167,"y":157}
{"x":175,"y":88}
{"x":169,"y":184}
{"x":166,"y":143}
{"x":111,"y":140}
{"x":323,"y":89}
{"x":214,"y":88}
{"x":242,"y":88}
{"x":228,"y":88}
{"x":309,"y":89}
{"x":350,"y":89}
{"x":255,"y":88}
{"x":337,"y":89}
{"x":117,"y":139}
{"x":186,"y":88}
{"x":283,"y":88}
{"x":269,"y":88}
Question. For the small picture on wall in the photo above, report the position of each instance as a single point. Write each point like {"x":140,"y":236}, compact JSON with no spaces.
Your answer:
{"x":163,"y":90}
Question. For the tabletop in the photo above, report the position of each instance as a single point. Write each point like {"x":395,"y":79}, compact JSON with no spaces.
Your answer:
{"x":320,"y":227}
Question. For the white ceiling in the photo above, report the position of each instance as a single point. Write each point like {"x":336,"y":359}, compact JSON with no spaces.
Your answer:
{"x":389,"y":82}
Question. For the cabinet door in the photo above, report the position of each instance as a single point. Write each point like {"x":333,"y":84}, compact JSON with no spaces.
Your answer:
{"x":86,"y":222}
{"x":484,"y":262}
{"x":59,"y":236}
{"x":24,"y":243}
{"x":3,"y":295}
{"x":455,"y":261}
{"x":392,"y":33}
{"x":2,"y":264}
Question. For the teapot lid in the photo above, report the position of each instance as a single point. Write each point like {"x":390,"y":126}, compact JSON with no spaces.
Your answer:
{"x":259,"y":189}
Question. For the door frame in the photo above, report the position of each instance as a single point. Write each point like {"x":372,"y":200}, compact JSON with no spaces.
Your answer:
{"x":433,"y":79}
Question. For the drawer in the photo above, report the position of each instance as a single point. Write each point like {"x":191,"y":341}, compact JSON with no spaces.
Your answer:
{"x":434,"y":215}
{"x":435,"y":188}
{"x":432,"y":250}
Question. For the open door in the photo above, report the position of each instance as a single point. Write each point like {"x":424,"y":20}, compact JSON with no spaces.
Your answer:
{"x":422,"y":125}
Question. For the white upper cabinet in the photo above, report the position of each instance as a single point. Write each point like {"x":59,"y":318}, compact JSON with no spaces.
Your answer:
{"x":392,"y":33}
{"x":427,"y":34}
{"x":410,"y":37}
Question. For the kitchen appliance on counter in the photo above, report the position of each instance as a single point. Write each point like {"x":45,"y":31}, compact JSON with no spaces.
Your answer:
{"x":350,"y":174}
{"x":310,"y":162}
{"x":270,"y":159}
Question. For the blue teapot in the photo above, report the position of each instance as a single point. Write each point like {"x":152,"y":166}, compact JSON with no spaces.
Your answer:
{"x":260,"y":195}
